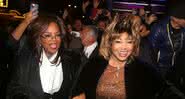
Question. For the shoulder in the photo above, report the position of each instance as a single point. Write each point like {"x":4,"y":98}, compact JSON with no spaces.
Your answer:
{"x":142,"y":66}
{"x":160,"y":24}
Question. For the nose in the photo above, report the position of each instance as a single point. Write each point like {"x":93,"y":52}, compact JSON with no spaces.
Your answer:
{"x":53,"y":37}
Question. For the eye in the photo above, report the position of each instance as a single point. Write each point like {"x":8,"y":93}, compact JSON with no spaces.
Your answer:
{"x":46,"y":35}
{"x":130,"y":41}
{"x":58,"y":35}
{"x":117,"y":41}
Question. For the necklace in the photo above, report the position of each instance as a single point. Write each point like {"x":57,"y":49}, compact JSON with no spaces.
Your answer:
{"x":115,"y":70}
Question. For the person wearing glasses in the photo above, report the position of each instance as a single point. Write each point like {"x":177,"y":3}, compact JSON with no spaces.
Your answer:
{"x":43,"y":70}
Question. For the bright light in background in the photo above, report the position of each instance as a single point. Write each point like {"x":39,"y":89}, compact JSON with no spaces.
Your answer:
{"x":75,"y":6}
{"x":1,"y":3}
{"x":4,"y":4}
{"x":69,"y":5}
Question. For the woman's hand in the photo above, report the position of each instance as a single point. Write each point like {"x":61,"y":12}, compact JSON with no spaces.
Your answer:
{"x":31,"y":15}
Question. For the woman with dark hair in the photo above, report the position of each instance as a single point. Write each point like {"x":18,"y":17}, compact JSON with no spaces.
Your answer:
{"x":118,"y":74}
{"x":43,"y":70}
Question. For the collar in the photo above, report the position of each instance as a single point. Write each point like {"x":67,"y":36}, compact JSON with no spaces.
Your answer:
{"x":48,"y":60}
{"x":90,"y":49}
{"x":51,"y":75}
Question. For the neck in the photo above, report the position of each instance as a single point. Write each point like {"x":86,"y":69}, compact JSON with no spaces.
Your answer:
{"x":116,"y":63}
{"x":49,"y":55}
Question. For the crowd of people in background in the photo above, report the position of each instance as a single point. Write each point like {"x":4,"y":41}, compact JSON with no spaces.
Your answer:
{"x":102,"y":55}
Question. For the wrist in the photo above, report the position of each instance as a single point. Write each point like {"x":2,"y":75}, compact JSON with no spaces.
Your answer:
{"x":26,"y":22}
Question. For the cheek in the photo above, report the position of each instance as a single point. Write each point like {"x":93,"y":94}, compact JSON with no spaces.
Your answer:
{"x":130,"y":48}
{"x":43,"y":42}
{"x":59,"y":41}
{"x":115,"y":47}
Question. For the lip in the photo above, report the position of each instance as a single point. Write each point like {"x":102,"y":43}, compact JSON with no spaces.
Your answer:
{"x":53,"y":46}
{"x":123,"y":53}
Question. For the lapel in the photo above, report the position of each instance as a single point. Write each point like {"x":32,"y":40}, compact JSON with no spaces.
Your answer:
{"x":35,"y":81}
{"x":67,"y":76}
{"x":34,"y":77}
{"x":94,"y":53}
{"x":66,"y":73}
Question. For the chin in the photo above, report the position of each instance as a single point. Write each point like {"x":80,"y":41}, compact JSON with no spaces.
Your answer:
{"x":53,"y":51}
{"x":122,"y":59}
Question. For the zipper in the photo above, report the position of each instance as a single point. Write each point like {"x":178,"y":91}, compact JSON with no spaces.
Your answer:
{"x":173,"y":57}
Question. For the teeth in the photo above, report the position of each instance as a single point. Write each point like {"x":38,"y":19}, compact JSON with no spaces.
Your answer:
{"x":123,"y":53}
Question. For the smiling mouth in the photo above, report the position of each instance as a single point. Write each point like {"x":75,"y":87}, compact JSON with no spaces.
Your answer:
{"x":123,"y":53}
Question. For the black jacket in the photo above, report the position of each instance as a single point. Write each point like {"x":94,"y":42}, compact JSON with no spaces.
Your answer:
{"x":26,"y":84}
{"x":141,"y":80}
{"x":162,"y":42}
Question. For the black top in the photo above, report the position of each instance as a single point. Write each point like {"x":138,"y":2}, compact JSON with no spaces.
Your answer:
{"x":26,"y":84}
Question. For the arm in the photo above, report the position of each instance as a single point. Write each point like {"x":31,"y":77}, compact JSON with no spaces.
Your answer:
{"x":17,"y":88}
{"x":17,"y":33}
{"x":14,"y":38}
{"x":84,"y":6}
{"x":154,"y":40}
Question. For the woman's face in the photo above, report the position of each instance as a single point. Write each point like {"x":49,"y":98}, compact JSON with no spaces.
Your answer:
{"x":122,"y":48}
{"x":51,"y":39}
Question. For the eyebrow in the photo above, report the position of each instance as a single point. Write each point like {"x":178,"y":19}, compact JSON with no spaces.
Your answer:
{"x":51,"y":32}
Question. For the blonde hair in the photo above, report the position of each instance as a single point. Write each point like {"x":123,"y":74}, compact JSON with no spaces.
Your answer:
{"x":119,"y":25}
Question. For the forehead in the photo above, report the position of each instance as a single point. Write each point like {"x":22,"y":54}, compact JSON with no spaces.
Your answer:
{"x":52,"y":27}
{"x":124,"y":36}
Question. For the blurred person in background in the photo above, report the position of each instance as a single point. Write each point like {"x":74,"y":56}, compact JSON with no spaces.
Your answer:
{"x":167,"y":37}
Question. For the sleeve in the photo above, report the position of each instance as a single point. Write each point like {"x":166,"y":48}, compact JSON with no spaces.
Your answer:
{"x":71,"y":60}
{"x":17,"y":89}
{"x":155,"y":39}
{"x":12,"y":43}
{"x":76,"y":88}
{"x":155,"y":35}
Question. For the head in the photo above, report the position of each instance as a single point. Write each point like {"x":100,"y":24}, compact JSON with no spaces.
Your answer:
{"x":143,"y":31}
{"x":77,"y":25}
{"x":175,"y":10}
{"x":89,"y":35}
{"x":121,"y":39}
{"x":177,"y":23}
{"x":45,"y":33}
{"x":69,"y":28}
{"x":141,"y":11}
{"x":102,"y":22}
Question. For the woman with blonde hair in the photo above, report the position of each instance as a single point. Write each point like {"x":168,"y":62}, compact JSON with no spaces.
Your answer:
{"x":118,"y":74}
